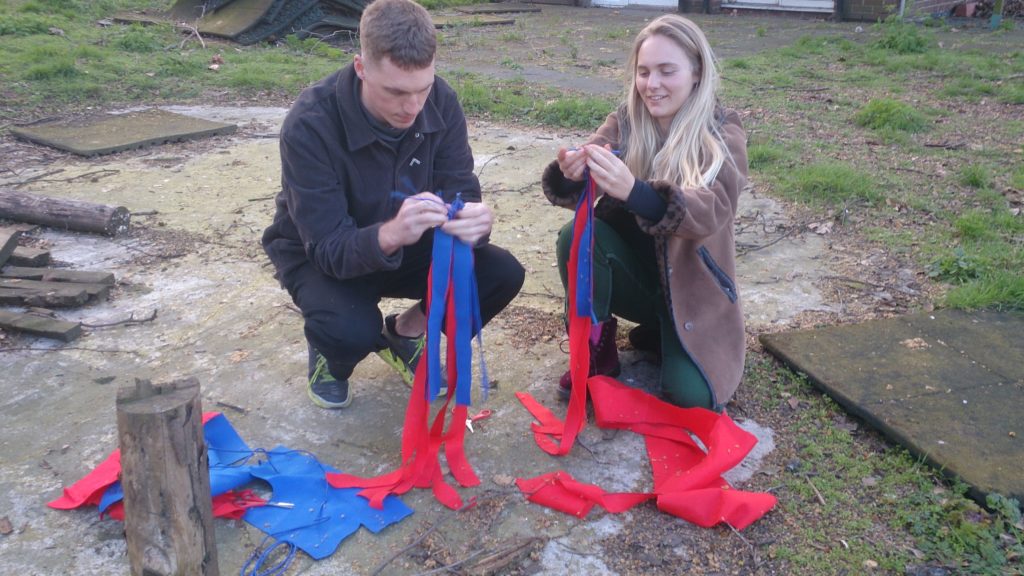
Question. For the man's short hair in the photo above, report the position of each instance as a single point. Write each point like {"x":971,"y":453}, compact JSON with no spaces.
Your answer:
{"x":400,"y":30}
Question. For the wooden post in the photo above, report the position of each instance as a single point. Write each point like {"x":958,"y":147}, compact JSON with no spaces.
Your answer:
{"x":166,"y":480}
{"x":63,"y":213}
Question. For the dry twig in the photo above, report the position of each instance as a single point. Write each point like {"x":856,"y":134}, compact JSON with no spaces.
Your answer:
{"x":131,"y":320}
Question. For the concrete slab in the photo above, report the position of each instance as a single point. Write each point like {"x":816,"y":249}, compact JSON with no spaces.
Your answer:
{"x":111,"y":133}
{"x":948,"y":385}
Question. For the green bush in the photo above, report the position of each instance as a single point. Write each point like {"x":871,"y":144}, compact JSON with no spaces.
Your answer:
{"x":886,"y":113}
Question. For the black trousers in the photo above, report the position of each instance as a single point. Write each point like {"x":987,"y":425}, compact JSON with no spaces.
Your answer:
{"x":343,"y":320}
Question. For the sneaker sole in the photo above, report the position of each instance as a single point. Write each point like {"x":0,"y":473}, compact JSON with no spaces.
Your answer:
{"x":397,"y":365}
{"x":320,"y":402}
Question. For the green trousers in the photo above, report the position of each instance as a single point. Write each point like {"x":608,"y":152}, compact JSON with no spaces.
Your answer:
{"x":626,"y":285}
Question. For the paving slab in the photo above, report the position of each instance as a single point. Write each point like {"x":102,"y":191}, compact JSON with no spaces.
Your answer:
{"x":109,"y":133}
{"x":948,"y":385}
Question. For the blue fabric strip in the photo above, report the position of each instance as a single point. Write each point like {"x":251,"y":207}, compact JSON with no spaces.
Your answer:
{"x":440,"y":277}
{"x":462,"y":279}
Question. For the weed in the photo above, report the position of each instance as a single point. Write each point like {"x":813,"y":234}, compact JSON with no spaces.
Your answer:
{"x":1017,"y":178}
{"x":512,"y":36}
{"x":574,"y":113}
{"x":833,"y":183}
{"x":761,"y":155}
{"x":737,"y":64}
{"x":510,"y":64}
{"x":974,"y":176}
{"x":616,"y":33}
{"x":970,"y":89}
{"x":886,"y":113}
{"x":956,"y":267}
{"x":24,"y":24}
{"x":902,"y":37}
{"x":761,"y":32}
{"x":138,"y":39}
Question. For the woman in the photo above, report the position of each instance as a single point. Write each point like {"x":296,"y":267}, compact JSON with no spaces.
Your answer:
{"x":669,"y":165}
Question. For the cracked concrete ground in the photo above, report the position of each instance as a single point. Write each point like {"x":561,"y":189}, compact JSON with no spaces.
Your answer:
{"x":195,"y":259}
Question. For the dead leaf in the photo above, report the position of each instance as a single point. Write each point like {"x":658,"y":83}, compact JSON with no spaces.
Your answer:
{"x":503,"y":480}
{"x":5,"y":526}
{"x":214,"y":67}
{"x":239,"y":355}
{"x":794,"y":403}
{"x":915,"y":344}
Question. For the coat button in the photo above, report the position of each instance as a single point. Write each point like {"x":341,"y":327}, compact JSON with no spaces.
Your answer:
{"x":418,"y":136}
{"x":688,"y":326}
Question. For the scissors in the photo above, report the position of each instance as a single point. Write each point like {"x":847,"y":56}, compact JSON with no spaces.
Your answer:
{"x":483,"y":414}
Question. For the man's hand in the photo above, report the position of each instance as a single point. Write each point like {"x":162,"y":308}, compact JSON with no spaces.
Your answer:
{"x":572,"y":162}
{"x":417,"y":214}
{"x":471,"y":223}
{"x":609,"y":173}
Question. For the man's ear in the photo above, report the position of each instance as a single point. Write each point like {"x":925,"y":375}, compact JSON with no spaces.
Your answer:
{"x":357,"y":62}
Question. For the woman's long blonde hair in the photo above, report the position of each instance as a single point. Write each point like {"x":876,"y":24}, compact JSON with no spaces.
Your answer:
{"x":692,"y":152}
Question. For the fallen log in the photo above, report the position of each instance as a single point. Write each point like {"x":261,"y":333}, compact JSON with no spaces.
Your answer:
{"x":66,"y":214}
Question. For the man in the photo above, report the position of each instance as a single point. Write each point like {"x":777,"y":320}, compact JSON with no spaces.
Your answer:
{"x":370,"y":156}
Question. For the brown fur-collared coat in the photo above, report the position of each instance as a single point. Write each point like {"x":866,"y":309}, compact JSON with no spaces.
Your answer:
{"x":696,"y":253}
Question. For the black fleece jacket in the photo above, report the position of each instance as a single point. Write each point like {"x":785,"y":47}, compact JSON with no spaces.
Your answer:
{"x":340,"y":182}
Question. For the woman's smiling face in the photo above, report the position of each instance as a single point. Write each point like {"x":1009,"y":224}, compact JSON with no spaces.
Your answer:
{"x":665,"y":77}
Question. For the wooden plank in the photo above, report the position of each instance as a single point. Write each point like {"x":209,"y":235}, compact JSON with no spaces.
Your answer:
{"x":40,"y":326}
{"x":53,"y":298}
{"x":57,"y":275}
{"x":8,"y":242}
{"x":28,"y":256}
{"x":23,"y":227}
{"x":98,"y":291}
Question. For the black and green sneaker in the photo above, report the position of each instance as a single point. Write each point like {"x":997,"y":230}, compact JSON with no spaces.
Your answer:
{"x":401,"y":353}
{"x":324,"y":389}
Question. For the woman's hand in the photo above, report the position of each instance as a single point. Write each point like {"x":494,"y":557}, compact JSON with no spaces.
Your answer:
{"x":572,"y":162}
{"x":609,"y":173}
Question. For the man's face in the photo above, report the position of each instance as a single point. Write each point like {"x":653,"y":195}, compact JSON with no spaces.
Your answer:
{"x":393,"y":95}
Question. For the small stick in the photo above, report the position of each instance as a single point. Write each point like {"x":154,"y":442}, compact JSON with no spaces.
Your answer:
{"x":131,"y":320}
{"x":815,"y":488}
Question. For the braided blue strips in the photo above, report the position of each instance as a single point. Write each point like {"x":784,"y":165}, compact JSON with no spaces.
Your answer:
{"x":453,"y":268}
{"x":584,"y":265}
